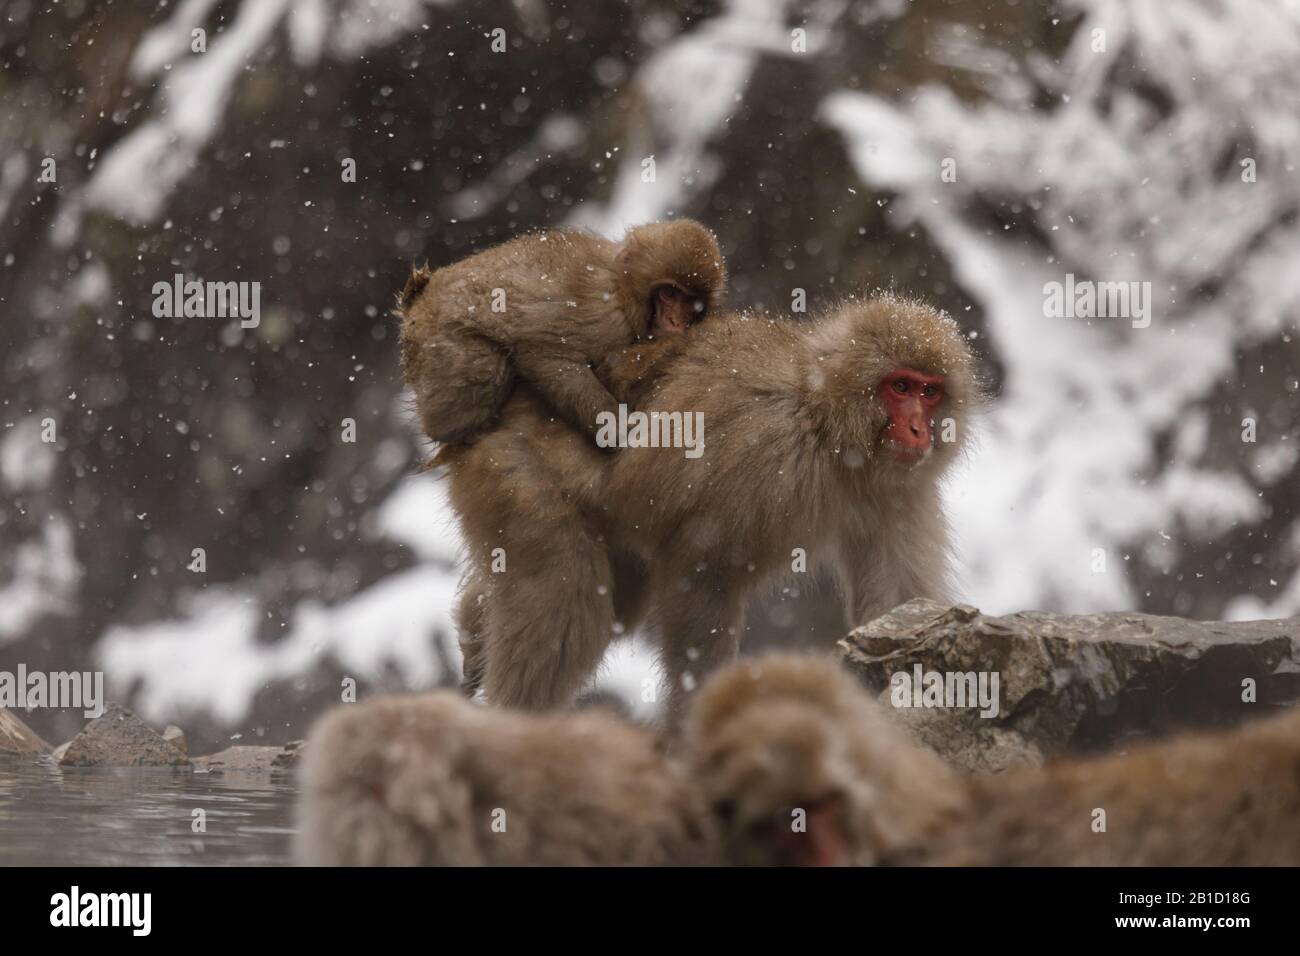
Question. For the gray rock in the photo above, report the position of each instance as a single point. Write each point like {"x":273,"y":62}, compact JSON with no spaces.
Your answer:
{"x":290,"y":754}
{"x":247,"y":758}
{"x":17,"y":738}
{"x":1073,"y":683}
{"x":176,"y":737}
{"x":118,"y":738}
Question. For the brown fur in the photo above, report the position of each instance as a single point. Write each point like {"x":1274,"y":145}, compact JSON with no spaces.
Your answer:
{"x":767,"y":735}
{"x":419,"y":781}
{"x":415,"y":780}
{"x":792,"y":459}
{"x":570,"y":299}
{"x":1224,"y":799}
{"x":786,"y":733}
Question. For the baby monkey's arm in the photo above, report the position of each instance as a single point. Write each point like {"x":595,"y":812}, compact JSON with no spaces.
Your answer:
{"x":569,"y":386}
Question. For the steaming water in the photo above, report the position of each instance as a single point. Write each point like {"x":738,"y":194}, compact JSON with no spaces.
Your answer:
{"x":51,"y":816}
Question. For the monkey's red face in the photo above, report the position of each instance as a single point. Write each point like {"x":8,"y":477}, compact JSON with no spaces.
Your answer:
{"x":822,"y":842}
{"x":911,"y":398}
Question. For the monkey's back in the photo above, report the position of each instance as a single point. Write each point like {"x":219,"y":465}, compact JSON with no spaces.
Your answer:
{"x":1220,"y":799}
{"x":792,"y":452}
{"x":764,"y":474}
{"x":436,"y":780}
{"x":551,"y":291}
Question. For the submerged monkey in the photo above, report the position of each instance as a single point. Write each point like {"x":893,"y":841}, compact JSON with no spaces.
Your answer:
{"x":798,"y":768}
{"x":1230,"y":798}
{"x":781,"y":734}
{"x":786,"y":761}
{"x":435,"y":780}
{"x":545,"y":307}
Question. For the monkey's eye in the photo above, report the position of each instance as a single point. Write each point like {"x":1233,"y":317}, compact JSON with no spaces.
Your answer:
{"x":900,"y":386}
{"x":929,"y":391}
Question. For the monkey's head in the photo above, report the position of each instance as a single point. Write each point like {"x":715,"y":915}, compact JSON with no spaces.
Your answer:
{"x":672,"y":275}
{"x":896,"y":380}
{"x":801,"y":768}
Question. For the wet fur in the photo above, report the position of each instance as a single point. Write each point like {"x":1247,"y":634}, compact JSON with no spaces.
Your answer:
{"x":420,"y":781}
{"x":415,"y":780}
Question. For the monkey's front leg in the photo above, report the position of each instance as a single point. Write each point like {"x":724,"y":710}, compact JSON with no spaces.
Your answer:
{"x":471,"y":623}
{"x":879,"y":573}
{"x":700,"y":621}
{"x":570,"y":387}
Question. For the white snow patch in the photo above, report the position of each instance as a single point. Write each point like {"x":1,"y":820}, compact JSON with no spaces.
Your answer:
{"x":631,"y":672}
{"x":1065,"y":453}
{"x":419,"y":516}
{"x":169,"y":41}
{"x":26,"y":462}
{"x":137,"y":174}
{"x":688,"y":90}
{"x":209,"y":661}
{"x":46,"y":574}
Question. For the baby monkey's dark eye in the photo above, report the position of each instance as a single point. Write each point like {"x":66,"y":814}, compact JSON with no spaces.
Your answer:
{"x":900,"y":386}
{"x":929,"y":391}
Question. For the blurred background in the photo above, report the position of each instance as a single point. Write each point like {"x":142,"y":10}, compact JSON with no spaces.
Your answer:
{"x":967,"y":151}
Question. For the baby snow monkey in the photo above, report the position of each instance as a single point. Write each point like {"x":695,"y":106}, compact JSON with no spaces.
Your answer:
{"x":545,"y":307}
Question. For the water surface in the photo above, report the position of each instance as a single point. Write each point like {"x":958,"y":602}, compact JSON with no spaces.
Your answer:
{"x":140,"y":816}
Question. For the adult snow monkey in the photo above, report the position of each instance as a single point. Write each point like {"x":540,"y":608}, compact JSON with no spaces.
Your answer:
{"x":823,"y":442}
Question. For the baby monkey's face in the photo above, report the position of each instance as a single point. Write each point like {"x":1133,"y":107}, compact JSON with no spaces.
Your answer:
{"x":673,"y":311}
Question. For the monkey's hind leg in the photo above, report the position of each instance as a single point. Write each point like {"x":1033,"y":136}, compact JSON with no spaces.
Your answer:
{"x":460,"y":381}
{"x":571,"y":388}
{"x":549,"y":618}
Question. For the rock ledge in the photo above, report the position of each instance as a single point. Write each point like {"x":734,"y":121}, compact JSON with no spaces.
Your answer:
{"x":1075,"y":683}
